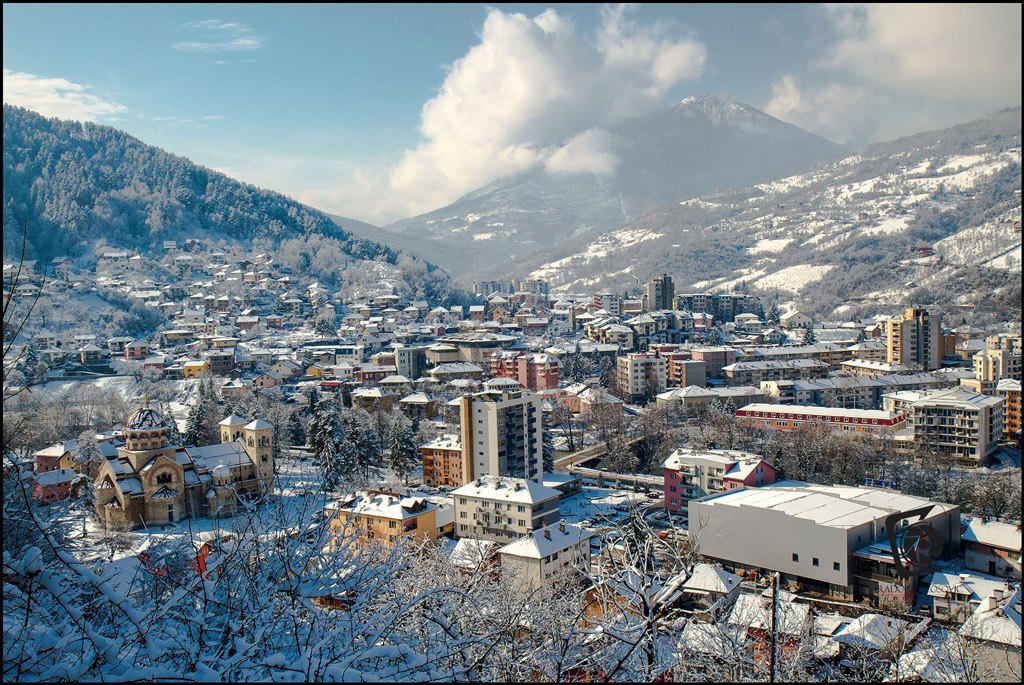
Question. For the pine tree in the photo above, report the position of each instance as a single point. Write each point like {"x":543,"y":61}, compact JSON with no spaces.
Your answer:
{"x":862,"y":337}
{"x":194,"y":423}
{"x":548,"y":444}
{"x":296,"y":432}
{"x":90,"y":460}
{"x":312,"y":399}
{"x":404,"y":457}
{"x":809,"y":337}
{"x":715,"y":338}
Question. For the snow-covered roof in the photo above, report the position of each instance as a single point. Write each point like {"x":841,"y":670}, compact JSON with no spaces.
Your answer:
{"x":754,"y":611}
{"x":258,"y":424}
{"x":508,"y":489}
{"x":872,"y":631}
{"x":545,"y":541}
{"x":211,"y":456}
{"x":384,"y":505}
{"x":994,"y":533}
{"x":232,"y":421}
{"x":471,"y":552}
{"x":708,"y":578}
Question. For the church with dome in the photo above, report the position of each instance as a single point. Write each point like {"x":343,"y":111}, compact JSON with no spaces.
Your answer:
{"x":152,"y":482}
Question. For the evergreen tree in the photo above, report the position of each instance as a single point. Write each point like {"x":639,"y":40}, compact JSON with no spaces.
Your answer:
{"x":328,"y":440}
{"x":404,"y":456}
{"x":90,"y":460}
{"x":809,"y":337}
{"x":312,"y":398}
{"x":195,"y":423}
{"x":295,"y":431}
{"x":549,"y":451}
{"x":715,"y":338}
{"x":862,"y":336}
{"x":346,"y":396}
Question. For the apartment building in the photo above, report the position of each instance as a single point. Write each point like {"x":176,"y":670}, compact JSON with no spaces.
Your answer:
{"x":660,"y":293}
{"x":503,"y":509}
{"x":501,"y":431}
{"x":442,"y":462}
{"x":956,"y":421}
{"x":993,"y":547}
{"x":640,"y":375}
{"x":693,"y":397}
{"x":691,"y":474}
{"x":793,"y":417}
{"x":533,"y":371}
{"x":382,"y":517}
{"x":755,"y":372}
{"x":848,"y":392}
{"x":715,"y":359}
{"x":863,"y":367}
{"x":1008,"y":390}
{"x":992,"y":366}
{"x":682,"y":372}
{"x":556,"y":549}
{"x":828,"y":539}
{"x":914,"y":340}
{"x":724,"y":307}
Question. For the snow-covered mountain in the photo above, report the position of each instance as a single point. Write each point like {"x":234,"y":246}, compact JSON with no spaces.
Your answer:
{"x":701,"y":144}
{"x":927,"y":210}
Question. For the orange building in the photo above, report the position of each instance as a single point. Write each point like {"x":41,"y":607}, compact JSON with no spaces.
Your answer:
{"x":382,"y":517}
{"x":442,"y":462}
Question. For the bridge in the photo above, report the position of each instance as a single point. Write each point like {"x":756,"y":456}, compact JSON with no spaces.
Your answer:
{"x":586,"y":454}
{"x":656,"y":483}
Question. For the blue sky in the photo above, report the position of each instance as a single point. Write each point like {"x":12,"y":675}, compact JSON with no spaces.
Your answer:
{"x":380,"y":112}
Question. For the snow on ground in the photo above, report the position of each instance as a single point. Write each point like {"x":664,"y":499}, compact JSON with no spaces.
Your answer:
{"x":893,"y":224}
{"x":746,"y":275}
{"x":793,"y":278}
{"x":769,"y":245}
{"x":963,"y":180}
{"x":958,"y":162}
{"x":1009,"y":260}
{"x":483,"y":236}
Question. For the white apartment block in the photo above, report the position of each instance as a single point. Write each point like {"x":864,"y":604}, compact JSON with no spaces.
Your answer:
{"x":957,"y":421}
{"x":501,"y":431}
{"x":547,"y":552}
{"x":641,"y":375}
{"x":503,"y":509}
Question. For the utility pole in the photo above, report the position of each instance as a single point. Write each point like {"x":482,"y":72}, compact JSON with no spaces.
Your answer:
{"x":772,"y":637}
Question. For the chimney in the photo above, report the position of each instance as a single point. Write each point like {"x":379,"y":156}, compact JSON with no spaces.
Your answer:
{"x":997,"y":593}
{"x":515,"y":487}
{"x":547,"y":533}
{"x":561,"y":527}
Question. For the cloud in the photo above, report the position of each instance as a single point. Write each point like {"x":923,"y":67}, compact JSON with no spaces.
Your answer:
{"x":57,"y":97}
{"x":897,"y":69}
{"x":587,"y":153}
{"x":216,"y":36}
{"x":531,"y":84}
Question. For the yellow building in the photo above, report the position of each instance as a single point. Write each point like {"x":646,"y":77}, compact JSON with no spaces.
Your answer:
{"x":382,"y":517}
{"x":196,"y":369}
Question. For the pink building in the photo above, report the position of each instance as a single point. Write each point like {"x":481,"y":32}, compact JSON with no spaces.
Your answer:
{"x":690,"y":474}
{"x":533,"y":371}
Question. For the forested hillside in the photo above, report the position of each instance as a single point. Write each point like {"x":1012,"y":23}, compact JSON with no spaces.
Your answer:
{"x":76,"y":182}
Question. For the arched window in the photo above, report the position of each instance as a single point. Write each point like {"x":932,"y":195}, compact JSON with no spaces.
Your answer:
{"x":250,"y":442}
{"x":164,"y":477}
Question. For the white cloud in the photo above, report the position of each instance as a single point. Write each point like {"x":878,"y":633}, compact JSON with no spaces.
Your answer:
{"x":948,"y":52}
{"x":899,"y":69}
{"x":216,"y":36}
{"x":531,"y":84}
{"x":588,"y":153}
{"x":57,"y":97}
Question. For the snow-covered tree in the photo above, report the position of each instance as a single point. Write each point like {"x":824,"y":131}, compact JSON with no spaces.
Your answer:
{"x":404,"y":456}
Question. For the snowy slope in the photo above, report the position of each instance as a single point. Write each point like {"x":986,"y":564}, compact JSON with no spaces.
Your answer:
{"x":925,"y":206}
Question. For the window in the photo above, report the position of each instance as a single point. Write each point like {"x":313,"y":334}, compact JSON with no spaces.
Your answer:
{"x":835,"y":565}
{"x":164,"y":477}
{"x":814,"y":561}
{"x":391,"y":524}
{"x":462,"y":515}
{"x":796,"y":557}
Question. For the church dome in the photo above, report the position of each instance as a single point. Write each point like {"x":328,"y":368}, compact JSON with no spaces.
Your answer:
{"x":145,"y":418}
